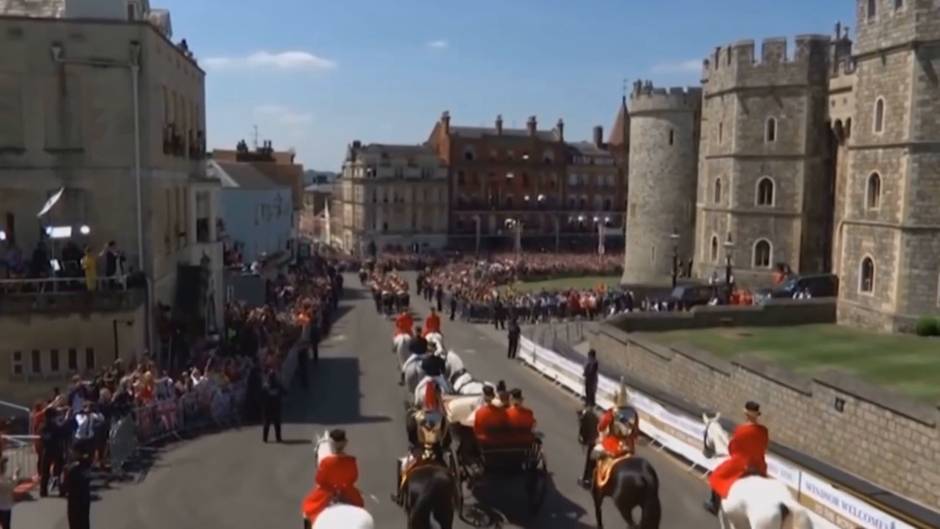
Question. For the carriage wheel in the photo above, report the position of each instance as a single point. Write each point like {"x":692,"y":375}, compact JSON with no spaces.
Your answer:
{"x":537,"y":483}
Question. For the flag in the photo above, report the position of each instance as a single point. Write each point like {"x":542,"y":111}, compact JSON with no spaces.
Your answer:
{"x":51,"y":202}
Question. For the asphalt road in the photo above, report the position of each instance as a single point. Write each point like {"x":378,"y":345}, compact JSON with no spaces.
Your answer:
{"x":232,"y":480}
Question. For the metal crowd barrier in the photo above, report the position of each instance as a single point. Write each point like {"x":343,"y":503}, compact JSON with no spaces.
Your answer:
{"x":204,"y":407}
{"x":20,"y":451}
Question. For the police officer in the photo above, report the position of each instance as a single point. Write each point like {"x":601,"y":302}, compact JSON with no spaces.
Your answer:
{"x":513,"y":335}
{"x":78,"y":491}
{"x":272,"y":397}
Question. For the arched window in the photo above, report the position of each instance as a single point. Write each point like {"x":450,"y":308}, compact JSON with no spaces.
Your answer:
{"x":468,"y":153}
{"x":714,"y":249}
{"x":762,"y":254}
{"x":672,"y":136}
{"x":717,"y":196}
{"x":866,"y":276}
{"x":873,"y":193}
{"x":872,"y":8}
{"x":770,"y":130}
{"x":879,"y":115}
{"x":721,"y":131}
{"x":765,"y":192}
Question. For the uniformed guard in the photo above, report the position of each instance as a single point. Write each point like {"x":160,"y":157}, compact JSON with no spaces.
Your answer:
{"x":747,"y":456}
{"x":618,"y":429}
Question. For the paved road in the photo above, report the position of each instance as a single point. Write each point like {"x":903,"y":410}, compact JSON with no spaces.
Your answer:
{"x":233,"y":481}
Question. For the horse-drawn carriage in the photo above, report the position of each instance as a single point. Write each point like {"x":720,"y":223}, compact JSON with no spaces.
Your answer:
{"x":518,"y":457}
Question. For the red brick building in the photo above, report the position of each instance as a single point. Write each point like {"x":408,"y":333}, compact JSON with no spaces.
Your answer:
{"x":560,"y":192}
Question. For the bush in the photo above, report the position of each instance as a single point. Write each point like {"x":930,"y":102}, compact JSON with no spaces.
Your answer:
{"x":927,"y":326}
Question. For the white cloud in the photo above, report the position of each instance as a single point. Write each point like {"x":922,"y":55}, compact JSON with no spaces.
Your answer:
{"x":438,"y":44}
{"x":285,"y":60}
{"x":689,"y":66}
{"x":282,"y":116}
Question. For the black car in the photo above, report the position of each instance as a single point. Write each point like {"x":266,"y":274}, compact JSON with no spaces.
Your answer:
{"x":688,"y":296}
{"x":817,"y":286}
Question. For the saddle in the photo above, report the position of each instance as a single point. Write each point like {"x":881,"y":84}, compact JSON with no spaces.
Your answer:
{"x":605,"y":467}
{"x":416,"y":463}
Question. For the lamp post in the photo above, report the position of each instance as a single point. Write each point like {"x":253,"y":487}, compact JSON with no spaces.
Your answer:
{"x":476,"y":227}
{"x":729,"y":247}
{"x":674,"y":237}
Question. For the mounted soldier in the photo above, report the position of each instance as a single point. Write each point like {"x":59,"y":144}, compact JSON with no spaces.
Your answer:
{"x":618,"y":430}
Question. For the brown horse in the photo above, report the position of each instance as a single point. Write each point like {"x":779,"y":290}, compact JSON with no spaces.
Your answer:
{"x":633,"y":482}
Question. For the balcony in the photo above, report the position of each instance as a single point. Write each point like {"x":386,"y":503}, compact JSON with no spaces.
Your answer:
{"x":70,"y":295}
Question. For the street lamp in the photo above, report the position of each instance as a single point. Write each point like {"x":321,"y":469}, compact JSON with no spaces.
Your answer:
{"x":674,"y":237}
{"x":85,"y":229}
{"x":729,"y":247}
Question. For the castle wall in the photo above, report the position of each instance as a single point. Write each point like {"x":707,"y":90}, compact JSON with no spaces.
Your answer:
{"x":664,"y":137}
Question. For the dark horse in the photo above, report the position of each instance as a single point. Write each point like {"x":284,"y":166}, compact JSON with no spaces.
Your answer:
{"x":633,"y":482}
{"x":431,"y":488}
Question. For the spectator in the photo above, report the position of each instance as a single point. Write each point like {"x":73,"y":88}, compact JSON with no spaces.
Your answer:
{"x":6,"y":494}
{"x":273,"y":397}
{"x":513,"y":335}
{"x":78,"y":491}
{"x":90,"y":268}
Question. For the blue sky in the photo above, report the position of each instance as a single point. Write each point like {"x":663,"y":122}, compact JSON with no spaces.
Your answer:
{"x":315,"y":74}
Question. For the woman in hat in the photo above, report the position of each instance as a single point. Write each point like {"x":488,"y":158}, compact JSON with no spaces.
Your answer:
{"x":747,"y":456}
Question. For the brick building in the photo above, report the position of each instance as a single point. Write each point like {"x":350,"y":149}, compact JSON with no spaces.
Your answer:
{"x":500,"y":176}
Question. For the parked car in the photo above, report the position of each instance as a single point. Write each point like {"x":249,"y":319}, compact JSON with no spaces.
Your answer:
{"x":816,"y":286}
{"x":688,"y":296}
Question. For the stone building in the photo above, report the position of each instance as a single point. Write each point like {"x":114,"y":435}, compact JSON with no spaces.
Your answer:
{"x":823,"y":159}
{"x":764,"y":180}
{"x":390,"y":197}
{"x":664,"y":142}
{"x":889,"y":234}
{"x":501,"y":176}
{"x":97,"y":101}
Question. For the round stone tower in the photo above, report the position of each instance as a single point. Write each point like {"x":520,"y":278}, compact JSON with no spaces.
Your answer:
{"x":664,"y":138}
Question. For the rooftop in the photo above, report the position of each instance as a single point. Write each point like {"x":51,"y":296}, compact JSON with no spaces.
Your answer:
{"x":479,"y":132}
{"x":241,"y":175}
{"x":587,"y":148}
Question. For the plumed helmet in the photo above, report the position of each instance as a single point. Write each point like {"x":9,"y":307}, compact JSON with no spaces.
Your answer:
{"x":622,"y":399}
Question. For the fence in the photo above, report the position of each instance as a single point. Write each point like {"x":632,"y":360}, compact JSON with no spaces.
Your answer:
{"x":681,"y":433}
{"x":20,"y":451}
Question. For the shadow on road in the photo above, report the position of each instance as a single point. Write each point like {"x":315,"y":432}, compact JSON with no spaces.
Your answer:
{"x":507,"y":497}
{"x":333,"y":397}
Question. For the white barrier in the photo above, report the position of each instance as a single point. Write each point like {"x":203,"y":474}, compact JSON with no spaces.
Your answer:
{"x":682,"y":434}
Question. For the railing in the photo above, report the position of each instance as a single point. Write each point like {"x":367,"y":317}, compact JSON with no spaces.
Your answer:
{"x":58,"y":294}
{"x":20,"y":451}
{"x":53,"y":285}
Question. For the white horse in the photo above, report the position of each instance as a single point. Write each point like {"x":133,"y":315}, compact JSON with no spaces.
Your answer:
{"x":436,"y":340}
{"x":753,"y":502}
{"x":338,"y":515}
{"x":461,"y":381}
{"x":401,"y":347}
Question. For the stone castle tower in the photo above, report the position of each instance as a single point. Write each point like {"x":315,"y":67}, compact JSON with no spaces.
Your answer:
{"x":889,"y":236}
{"x":664,"y":138}
{"x":762,"y":180}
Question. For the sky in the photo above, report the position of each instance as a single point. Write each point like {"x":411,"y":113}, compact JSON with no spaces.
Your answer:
{"x":316,"y":75}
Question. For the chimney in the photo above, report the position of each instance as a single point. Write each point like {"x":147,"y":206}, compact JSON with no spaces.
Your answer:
{"x":599,"y":136}
{"x":532,"y":125}
{"x":560,"y":128}
{"x":445,"y":120}
{"x":499,"y":125}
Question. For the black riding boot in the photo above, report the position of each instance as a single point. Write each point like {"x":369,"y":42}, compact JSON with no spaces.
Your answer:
{"x":589,"y":464}
{"x":713,"y":503}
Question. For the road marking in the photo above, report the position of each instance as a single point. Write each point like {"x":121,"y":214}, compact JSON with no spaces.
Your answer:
{"x":374,"y":498}
{"x":470,"y":351}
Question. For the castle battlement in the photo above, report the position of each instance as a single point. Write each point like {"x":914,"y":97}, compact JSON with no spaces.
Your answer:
{"x":737,"y":64}
{"x":646,"y":97}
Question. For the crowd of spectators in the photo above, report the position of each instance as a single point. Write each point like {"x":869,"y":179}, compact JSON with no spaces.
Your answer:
{"x":69,"y":261}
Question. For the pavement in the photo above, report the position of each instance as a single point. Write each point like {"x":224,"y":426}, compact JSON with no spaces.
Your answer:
{"x":232,"y":480}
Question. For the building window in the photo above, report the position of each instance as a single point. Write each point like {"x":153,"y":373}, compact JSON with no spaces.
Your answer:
{"x":548,"y":157}
{"x":672,"y":136}
{"x":35,"y":362}
{"x":54,"y":361}
{"x":653,"y":256}
{"x":770,"y":130}
{"x":384,"y":227}
{"x":717,"y":194}
{"x":879,"y":115}
{"x":872,"y":9}
{"x":468,"y":154}
{"x":873,"y":193}
{"x":509,"y":201}
{"x":17,"y":364}
{"x":765,"y":191}
{"x":721,"y":131}
{"x":866,"y":276}
{"x":89,"y":359}
{"x":762,"y":254}
{"x":607,"y":204}
{"x":714,"y":249}
{"x":73,"y":360}
{"x":898,"y":4}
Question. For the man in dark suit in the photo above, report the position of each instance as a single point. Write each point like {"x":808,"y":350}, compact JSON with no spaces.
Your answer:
{"x":272,"y":397}
{"x":78,"y":491}
{"x":514,"y":333}
{"x":590,"y":378}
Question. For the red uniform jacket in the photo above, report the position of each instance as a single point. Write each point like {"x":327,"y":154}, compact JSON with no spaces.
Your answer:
{"x":747,"y":449}
{"x":613,"y":445}
{"x":521,"y":423}
{"x":404,"y":323}
{"x":432,"y":324}
{"x":490,"y":424}
{"x":336,"y":478}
